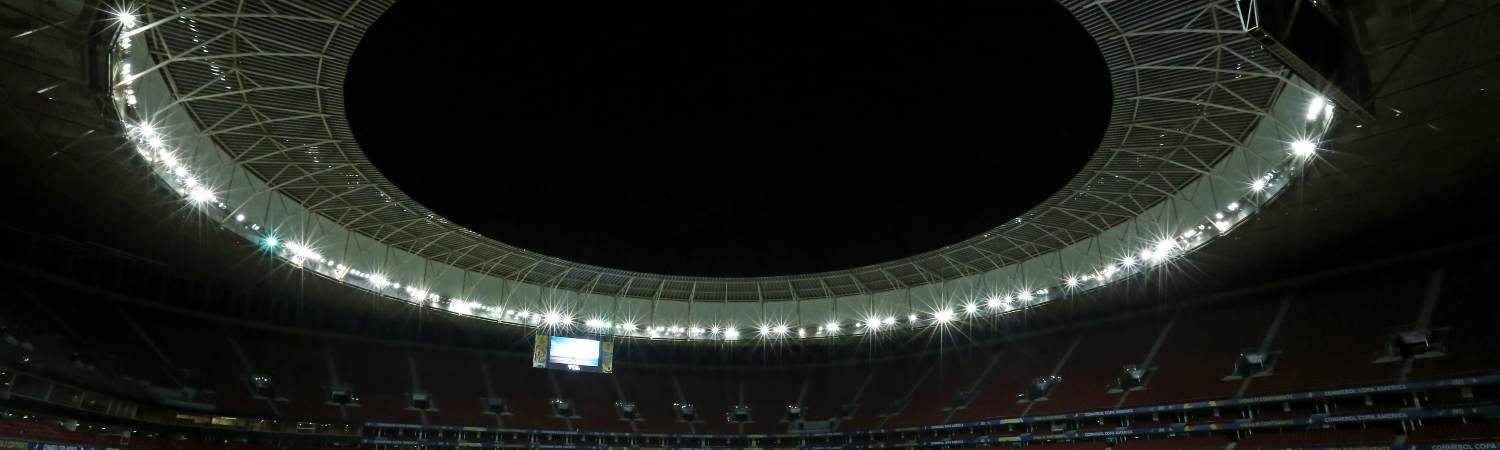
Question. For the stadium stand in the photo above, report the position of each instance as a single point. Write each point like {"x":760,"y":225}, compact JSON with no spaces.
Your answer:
{"x":1096,"y":364}
{"x":1317,"y":438}
{"x":939,"y":392}
{"x":220,"y":356}
{"x":1455,"y":432}
{"x":160,"y":353}
{"x":1465,"y":308}
{"x":1174,"y":443}
{"x":1200,"y":351}
{"x":1334,"y":332}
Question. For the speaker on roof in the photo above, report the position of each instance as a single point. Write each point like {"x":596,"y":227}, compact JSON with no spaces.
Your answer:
{"x":1251,"y":364}
{"x":793,"y":413}
{"x":686,"y":412}
{"x":262,"y":386}
{"x":626,"y":410}
{"x":419,"y":401}
{"x":562,"y":407}
{"x":1134,"y":376}
{"x":738,"y":414}
{"x":1040,"y":387}
{"x":342,"y":395}
{"x":1413,"y":344}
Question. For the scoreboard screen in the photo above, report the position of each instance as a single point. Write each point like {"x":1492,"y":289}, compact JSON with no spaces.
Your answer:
{"x":575,"y":354}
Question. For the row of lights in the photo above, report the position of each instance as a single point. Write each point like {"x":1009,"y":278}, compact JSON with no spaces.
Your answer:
{"x":154,"y":148}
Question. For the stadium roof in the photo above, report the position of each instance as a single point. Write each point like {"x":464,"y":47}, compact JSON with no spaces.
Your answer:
{"x":266,"y":82}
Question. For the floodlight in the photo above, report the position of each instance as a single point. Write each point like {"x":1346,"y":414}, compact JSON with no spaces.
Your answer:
{"x":943,"y":316}
{"x":1304,"y":148}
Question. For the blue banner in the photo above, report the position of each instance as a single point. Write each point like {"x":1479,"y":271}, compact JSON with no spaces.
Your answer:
{"x":15,"y":444}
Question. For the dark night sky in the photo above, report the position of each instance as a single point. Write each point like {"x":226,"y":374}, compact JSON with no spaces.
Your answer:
{"x":729,"y":138}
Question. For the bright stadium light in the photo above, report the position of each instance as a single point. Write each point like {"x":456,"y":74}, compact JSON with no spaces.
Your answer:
{"x":971,"y":307}
{"x":764,"y":330}
{"x":1315,"y":107}
{"x":1127,"y":262}
{"x":1304,"y":148}
{"x":992,"y":302}
{"x":596,"y":323}
{"x":303,"y":251}
{"x":270,"y":242}
{"x":943,"y":316}
{"x":1072,"y":281}
{"x":872,"y":324}
{"x":201,"y":195}
{"x":831,"y":327}
{"x":912,"y":318}
{"x":780,"y":329}
{"x":552,"y":318}
{"x":889,"y":320}
{"x":127,"y":20}
{"x":1161,"y":250}
{"x":731,"y":333}
{"x":801,"y":332}
{"x":1024,"y":296}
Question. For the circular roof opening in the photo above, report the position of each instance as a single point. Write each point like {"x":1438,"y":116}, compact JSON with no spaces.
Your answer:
{"x":729,"y":139}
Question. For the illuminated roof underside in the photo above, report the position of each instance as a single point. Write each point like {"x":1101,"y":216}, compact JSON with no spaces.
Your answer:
{"x":245,"y":112}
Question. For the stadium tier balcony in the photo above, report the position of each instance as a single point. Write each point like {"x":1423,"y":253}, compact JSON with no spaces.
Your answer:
{"x":1335,"y":331}
{"x":456,"y":383}
{"x":593,"y":396}
{"x":1316,"y":438}
{"x":768,"y":394}
{"x":712,"y":393}
{"x":1020,"y":362}
{"x":1455,"y":432}
{"x":1175,"y":443}
{"x":936,"y":397}
{"x":653,"y":392}
{"x":299,"y":369}
{"x":1095,"y":365}
{"x":1199,"y":353}
{"x":885,"y":394}
{"x":831,"y":392}
{"x":1467,"y":305}
{"x":1071,"y":446}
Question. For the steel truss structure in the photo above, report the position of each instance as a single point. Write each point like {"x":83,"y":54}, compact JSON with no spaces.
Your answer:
{"x":1200,"y":115}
